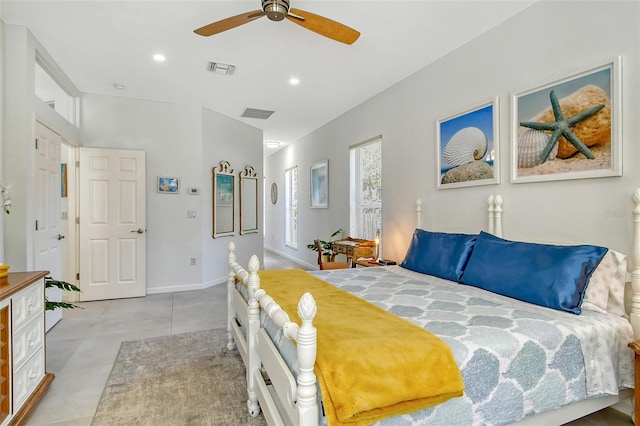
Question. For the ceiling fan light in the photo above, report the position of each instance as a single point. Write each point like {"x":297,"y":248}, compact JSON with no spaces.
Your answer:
{"x":276,"y":10}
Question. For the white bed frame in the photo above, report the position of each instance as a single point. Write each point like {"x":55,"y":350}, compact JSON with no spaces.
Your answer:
{"x":271,"y":386}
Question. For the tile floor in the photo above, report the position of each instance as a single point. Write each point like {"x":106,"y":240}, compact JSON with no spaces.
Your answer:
{"x":82,"y":347}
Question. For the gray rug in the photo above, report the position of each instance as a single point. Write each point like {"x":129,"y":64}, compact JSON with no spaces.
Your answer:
{"x":183,"y":379}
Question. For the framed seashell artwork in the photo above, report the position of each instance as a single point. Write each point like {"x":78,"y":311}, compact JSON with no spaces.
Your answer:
{"x":570,"y":128}
{"x":468,"y":147}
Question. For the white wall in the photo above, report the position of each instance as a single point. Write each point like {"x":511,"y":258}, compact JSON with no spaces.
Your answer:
{"x":547,"y":41}
{"x":21,"y":109}
{"x":184,"y":142}
{"x":2,"y":37}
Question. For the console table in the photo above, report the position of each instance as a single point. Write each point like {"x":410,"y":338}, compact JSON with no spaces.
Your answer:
{"x":23,"y":380}
{"x":353,"y":249}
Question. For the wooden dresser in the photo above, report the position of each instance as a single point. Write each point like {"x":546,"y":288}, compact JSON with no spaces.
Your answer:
{"x":23,"y":380}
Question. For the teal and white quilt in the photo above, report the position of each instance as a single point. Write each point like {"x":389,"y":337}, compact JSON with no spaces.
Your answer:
{"x":517,"y":359}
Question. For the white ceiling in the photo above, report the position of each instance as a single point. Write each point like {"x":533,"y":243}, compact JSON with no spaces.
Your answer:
{"x":100,"y":43}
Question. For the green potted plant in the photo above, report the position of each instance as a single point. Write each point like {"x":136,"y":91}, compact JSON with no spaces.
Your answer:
{"x":62,"y":285}
{"x":327,"y":246}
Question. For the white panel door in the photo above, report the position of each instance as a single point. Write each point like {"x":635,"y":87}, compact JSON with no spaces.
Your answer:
{"x":46,"y":244}
{"x":112,"y":224}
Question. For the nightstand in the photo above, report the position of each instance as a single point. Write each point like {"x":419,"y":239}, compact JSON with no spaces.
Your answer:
{"x":367,"y":263}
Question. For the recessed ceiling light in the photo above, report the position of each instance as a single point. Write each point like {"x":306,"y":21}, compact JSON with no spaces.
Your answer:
{"x":159,"y":57}
{"x":272,"y":144}
{"x":294,"y":81}
{"x":118,"y":86}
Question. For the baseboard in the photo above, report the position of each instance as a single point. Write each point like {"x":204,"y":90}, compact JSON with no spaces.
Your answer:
{"x":293,"y":259}
{"x":189,"y":287}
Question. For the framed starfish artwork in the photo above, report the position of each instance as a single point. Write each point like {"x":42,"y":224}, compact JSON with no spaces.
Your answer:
{"x":570,"y":128}
{"x":468,"y":147}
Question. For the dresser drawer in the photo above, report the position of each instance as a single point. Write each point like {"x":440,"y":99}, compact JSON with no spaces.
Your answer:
{"x":26,"y":341}
{"x":27,"y":304}
{"x":27,"y":377}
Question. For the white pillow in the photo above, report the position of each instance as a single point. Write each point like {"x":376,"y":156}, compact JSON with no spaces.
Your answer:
{"x":605,"y":291}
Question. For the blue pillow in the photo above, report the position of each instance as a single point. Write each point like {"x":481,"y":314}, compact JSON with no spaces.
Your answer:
{"x":439,"y":254}
{"x":547,"y":275}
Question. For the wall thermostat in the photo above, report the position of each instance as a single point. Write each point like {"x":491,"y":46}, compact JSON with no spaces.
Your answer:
{"x":193,"y":191}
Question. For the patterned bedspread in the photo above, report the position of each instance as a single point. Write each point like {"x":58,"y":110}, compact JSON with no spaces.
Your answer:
{"x":516,"y":359}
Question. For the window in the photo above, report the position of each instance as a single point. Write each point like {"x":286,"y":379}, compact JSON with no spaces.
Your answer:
{"x":54,"y":95}
{"x":291,"y":206}
{"x":365,"y":209}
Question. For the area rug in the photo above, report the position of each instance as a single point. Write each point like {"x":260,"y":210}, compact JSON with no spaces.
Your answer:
{"x":183,"y":379}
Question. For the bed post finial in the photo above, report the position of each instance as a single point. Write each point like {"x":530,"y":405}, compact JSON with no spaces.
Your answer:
{"x":490,"y":215}
{"x":306,"y":348}
{"x":419,"y":213}
{"x":232,"y":252}
{"x":635,"y":265}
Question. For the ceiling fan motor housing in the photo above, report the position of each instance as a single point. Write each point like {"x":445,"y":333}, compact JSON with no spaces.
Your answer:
{"x":276,"y":10}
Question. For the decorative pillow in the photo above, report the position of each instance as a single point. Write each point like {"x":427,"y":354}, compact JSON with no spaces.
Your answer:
{"x":616,"y":304}
{"x":546,"y":275}
{"x":596,"y":296}
{"x":440,"y":254}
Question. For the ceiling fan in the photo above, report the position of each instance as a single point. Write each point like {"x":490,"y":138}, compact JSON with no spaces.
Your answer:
{"x":277,"y":10}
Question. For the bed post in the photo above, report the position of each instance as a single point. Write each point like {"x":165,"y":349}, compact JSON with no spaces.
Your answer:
{"x":635,"y":262}
{"x":418,"y":213}
{"x":231,"y":282}
{"x":498,"y":215}
{"x":306,"y":340}
{"x":253,"y":326}
{"x":634,"y":316}
{"x":490,"y":215}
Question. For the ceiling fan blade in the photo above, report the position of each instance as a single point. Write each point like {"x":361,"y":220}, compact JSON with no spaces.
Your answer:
{"x":229,"y":23}
{"x":323,"y":26}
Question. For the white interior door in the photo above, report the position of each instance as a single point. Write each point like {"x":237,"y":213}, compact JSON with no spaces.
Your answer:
{"x":112,"y":223}
{"x":47,"y":236}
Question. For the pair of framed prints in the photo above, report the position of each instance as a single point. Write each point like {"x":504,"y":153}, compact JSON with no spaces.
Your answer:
{"x":567,"y":129}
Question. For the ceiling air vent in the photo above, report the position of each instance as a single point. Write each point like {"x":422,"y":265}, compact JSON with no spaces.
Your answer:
{"x":218,"y":68}
{"x":261,"y":114}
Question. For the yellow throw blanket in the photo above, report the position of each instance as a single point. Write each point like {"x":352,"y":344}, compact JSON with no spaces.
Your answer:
{"x":370,"y":364}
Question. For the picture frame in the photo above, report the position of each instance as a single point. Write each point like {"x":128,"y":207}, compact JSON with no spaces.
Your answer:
{"x":248,"y":201}
{"x":223,"y":200}
{"x":578,"y":94}
{"x":320,"y":184}
{"x":468,"y":147}
{"x":168,"y":185}
{"x":63,"y":180}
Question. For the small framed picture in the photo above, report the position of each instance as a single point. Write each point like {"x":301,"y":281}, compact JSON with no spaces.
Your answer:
{"x":168,"y":185}
{"x":320,"y":185}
